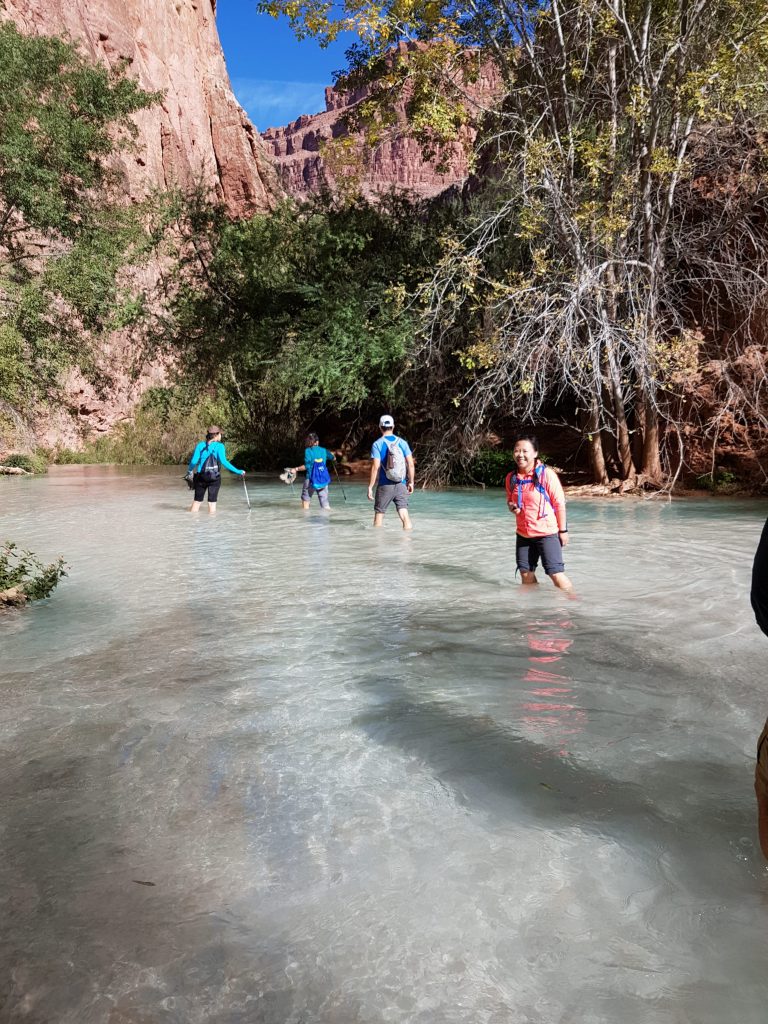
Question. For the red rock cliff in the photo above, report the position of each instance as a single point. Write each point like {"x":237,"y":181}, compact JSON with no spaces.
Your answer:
{"x":198,"y":131}
{"x":398,"y":162}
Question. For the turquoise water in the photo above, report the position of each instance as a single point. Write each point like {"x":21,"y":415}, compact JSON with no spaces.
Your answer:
{"x":370,"y":778}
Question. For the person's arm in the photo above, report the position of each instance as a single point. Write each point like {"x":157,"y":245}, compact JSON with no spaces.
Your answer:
{"x":375,"y":466}
{"x":227,"y":464}
{"x":554,"y":489}
{"x":299,"y":469}
{"x":411,"y":472}
{"x":195,"y":457}
{"x":759,"y":592}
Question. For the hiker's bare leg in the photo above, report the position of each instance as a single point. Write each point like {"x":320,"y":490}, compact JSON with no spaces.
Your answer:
{"x":378,"y":518}
{"x":527,"y":577}
{"x":561,"y":581}
{"x":211,"y":508}
{"x":405,"y":519}
{"x":195,"y":506}
{"x":762,"y":818}
{"x":305,"y":504}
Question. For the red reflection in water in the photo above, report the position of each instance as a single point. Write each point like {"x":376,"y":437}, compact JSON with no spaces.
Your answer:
{"x":553,"y":717}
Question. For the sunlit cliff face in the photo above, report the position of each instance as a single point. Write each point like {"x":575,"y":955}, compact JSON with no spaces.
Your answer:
{"x":525,"y":456}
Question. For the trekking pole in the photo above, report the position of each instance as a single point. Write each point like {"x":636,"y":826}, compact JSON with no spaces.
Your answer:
{"x":246,"y":491}
{"x":338,"y":478}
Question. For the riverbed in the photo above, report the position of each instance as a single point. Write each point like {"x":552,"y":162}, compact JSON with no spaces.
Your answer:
{"x":278,"y":767}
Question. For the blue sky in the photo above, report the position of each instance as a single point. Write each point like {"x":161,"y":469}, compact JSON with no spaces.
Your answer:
{"x":275,"y":77}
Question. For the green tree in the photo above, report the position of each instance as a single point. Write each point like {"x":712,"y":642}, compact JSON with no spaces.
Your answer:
{"x":297,"y":313}
{"x":569,"y":283}
{"x":63,"y":233}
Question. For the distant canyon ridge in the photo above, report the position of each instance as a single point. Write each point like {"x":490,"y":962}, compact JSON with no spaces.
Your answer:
{"x":299,"y":149}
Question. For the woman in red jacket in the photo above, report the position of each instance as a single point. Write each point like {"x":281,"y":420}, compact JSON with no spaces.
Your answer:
{"x":535,"y":497}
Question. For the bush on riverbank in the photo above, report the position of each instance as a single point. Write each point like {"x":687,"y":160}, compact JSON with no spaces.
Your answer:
{"x":167,"y":425}
{"x":23,"y":577}
{"x":33,"y":462}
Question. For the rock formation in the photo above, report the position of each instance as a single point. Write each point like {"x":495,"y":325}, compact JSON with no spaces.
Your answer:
{"x":198,"y":132}
{"x":398,"y":162}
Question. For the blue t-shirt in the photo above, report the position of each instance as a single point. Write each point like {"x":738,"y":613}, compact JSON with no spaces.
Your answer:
{"x":206,"y":448}
{"x":312,"y":454}
{"x":379,"y":451}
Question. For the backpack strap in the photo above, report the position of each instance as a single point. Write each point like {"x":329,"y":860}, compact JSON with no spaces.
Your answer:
{"x":514,"y":481}
{"x":201,"y":458}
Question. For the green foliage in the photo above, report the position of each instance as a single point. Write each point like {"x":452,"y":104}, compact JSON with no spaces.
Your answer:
{"x":490,"y":466}
{"x":63,"y":235}
{"x":60,"y":117}
{"x":32,"y":463}
{"x":22,"y":569}
{"x":722,"y":481}
{"x":301,"y":311}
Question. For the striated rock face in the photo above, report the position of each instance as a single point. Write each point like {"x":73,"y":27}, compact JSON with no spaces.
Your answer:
{"x":198,"y":132}
{"x":398,"y":162}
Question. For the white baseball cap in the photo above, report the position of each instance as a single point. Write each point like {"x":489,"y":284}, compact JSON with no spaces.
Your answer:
{"x":386,"y":421}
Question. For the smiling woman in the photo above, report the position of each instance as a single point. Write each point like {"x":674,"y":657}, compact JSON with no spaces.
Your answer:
{"x":275,"y":76}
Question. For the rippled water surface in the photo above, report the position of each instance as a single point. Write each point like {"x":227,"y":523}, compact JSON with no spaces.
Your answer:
{"x":279,"y":768}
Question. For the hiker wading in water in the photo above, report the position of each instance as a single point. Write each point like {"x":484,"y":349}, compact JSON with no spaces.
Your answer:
{"x":535,"y":498}
{"x":205,"y":466}
{"x":318,"y":479}
{"x":392,"y":474}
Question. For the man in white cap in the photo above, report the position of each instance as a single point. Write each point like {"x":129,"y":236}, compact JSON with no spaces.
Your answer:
{"x":392,"y":474}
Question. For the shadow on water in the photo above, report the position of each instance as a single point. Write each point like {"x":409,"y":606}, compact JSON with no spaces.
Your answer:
{"x":126,"y":887}
{"x":691,"y":810}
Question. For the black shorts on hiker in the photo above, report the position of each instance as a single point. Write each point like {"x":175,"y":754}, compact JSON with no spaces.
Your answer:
{"x":201,"y":487}
{"x":549,"y":549}
{"x":387,"y":493}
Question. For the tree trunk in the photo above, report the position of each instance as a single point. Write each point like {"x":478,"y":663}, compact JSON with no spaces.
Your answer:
{"x":639,"y":430}
{"x":651,"y":454}
{"x":623,"y":441}
{"x":595,"y":442}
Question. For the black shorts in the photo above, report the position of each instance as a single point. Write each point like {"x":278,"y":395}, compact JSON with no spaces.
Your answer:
{"x":549,"y":549}
{"x":201,"y":486}
{"x":387,"y":493}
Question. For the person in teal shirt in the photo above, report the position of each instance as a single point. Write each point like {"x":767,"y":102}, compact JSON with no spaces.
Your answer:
{"x":318,"y":479}
{"x":205,"y":465}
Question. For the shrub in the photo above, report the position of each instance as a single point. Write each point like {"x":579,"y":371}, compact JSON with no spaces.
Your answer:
{"x":33,"y":463}
{"x":490,"y":466}
{"x":166,"y":426}
{"x":722,"y":481}
{"x":25,"y":571}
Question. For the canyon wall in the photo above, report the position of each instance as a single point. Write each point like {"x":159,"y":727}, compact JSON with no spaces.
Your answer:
{"x":398,"y":162}
{"x":198,"y":131}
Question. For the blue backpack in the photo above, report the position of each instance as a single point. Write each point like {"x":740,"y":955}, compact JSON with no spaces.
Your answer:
{"x":209,"y":470}
{"x":513,"y":480}
{"x":319,"y":476}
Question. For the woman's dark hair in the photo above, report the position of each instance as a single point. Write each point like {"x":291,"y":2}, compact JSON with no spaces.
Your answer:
{"x":311,"y":439}
{"x":530,"y":438}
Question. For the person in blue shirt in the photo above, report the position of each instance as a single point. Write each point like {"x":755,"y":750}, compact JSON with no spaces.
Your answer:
{"x":318,"y":479}
{"x":392,"y":457}
{"x":205,"y":465}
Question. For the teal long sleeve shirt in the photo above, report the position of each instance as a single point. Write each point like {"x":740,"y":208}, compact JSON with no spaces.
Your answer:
{"x":211,"y":447}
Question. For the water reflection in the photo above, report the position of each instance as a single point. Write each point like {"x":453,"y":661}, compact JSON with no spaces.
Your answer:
{"x":550,"y":712}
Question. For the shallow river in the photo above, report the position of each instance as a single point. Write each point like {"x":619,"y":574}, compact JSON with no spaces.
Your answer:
{"x":278,"y":768}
